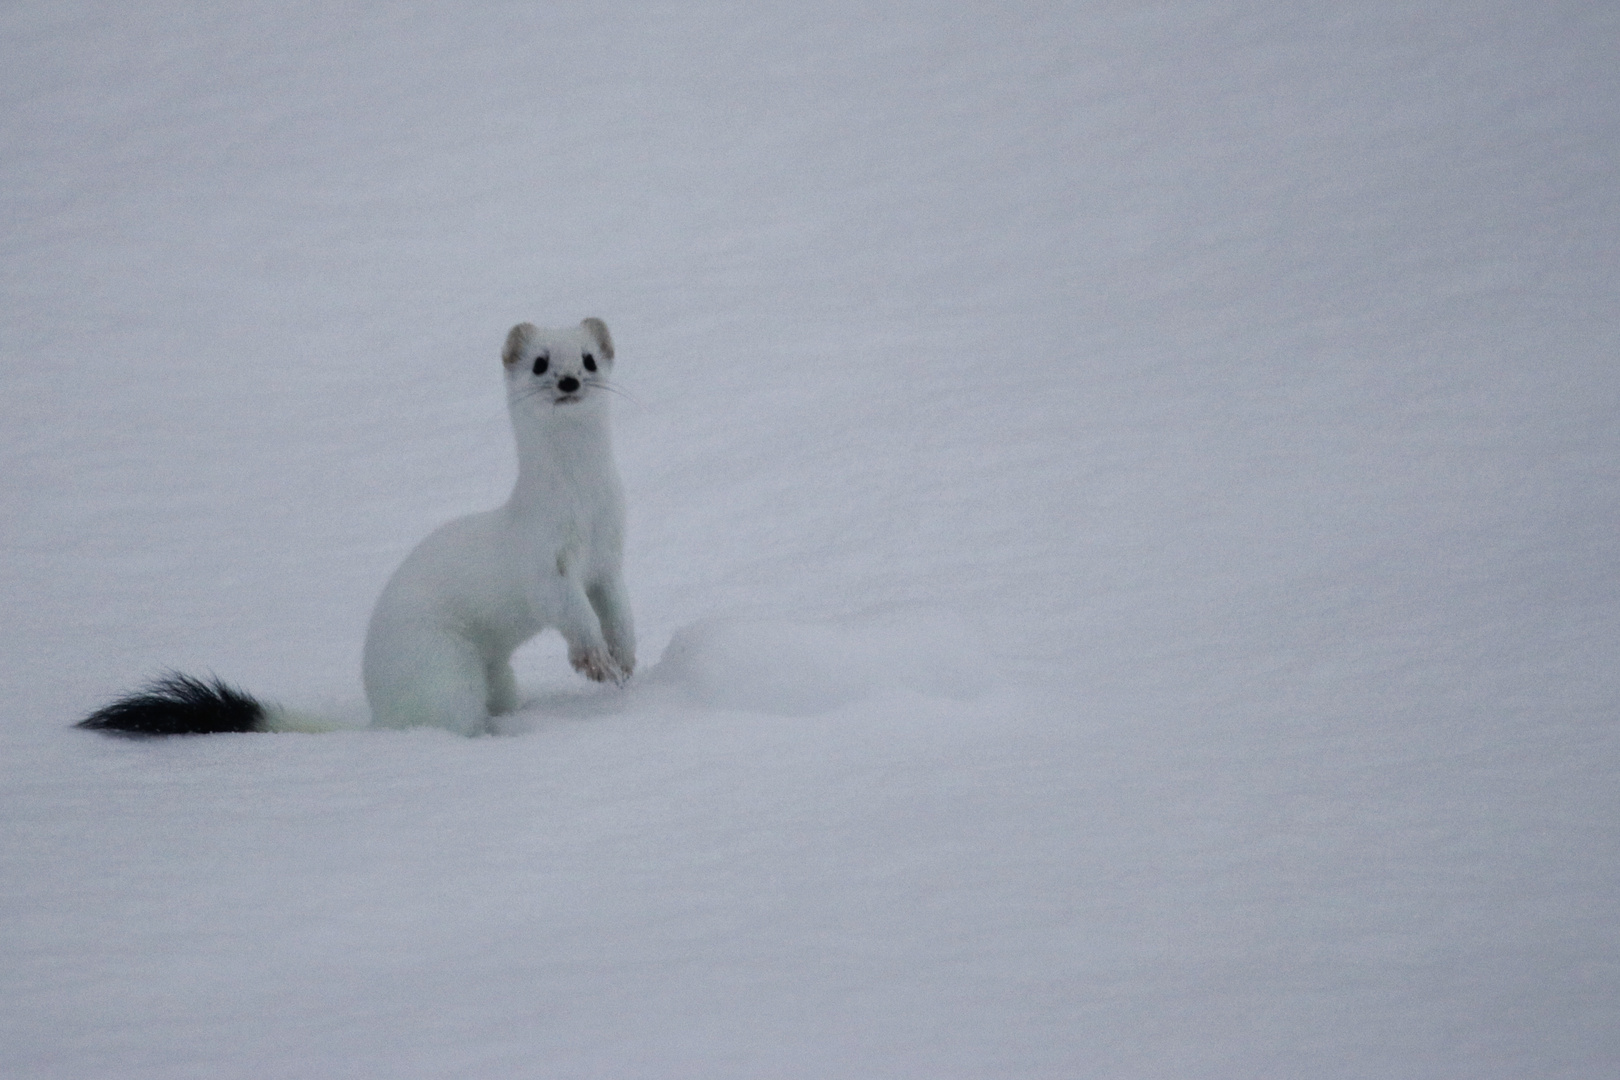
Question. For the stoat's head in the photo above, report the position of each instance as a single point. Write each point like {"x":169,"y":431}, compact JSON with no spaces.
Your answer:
{"x":557,"y":369}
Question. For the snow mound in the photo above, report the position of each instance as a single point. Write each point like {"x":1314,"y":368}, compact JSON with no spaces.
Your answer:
{"x":789,"y":668}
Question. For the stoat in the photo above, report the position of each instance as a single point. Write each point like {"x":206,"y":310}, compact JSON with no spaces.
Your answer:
{"x":439,"y":646}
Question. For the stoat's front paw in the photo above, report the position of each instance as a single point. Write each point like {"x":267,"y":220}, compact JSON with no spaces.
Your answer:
{"x":597,"y":665}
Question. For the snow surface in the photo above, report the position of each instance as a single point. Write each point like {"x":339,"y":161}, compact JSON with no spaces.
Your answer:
{"x":1125,"y":506}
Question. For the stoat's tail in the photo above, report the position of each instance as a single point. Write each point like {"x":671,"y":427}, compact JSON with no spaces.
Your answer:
{"x":176,"y":704}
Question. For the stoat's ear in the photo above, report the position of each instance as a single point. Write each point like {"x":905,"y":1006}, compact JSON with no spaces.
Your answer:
{"x":516,"y":339}
{"x":598,"y":330}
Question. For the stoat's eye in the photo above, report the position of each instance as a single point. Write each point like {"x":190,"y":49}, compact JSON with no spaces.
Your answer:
{"x":541,"y":362}
{"x":590,"y":362}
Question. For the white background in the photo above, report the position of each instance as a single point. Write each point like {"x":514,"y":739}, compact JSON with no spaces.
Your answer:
{"x":1125,"y":505}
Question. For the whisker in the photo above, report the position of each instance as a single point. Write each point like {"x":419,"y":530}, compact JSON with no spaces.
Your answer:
{"x":527,"y":394}
{"x":597,"y":383}
{"x":549,"y":388}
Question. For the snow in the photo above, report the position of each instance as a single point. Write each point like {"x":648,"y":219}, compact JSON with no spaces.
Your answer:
{"x":1125,"y":507}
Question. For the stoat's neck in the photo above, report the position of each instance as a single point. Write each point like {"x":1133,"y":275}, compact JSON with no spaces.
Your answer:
{"x":560,"y":447}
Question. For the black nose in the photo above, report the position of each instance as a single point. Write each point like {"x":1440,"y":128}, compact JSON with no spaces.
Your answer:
{"x":568,"y":384}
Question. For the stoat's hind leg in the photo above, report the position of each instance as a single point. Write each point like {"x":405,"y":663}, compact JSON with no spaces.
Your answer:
{"x":427,"y":678}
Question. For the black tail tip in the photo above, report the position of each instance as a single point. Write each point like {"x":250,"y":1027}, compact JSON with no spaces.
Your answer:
{"x":176,"y":704}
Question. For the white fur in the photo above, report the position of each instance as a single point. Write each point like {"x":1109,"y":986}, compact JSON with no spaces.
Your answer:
{"x":438,"y":651}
